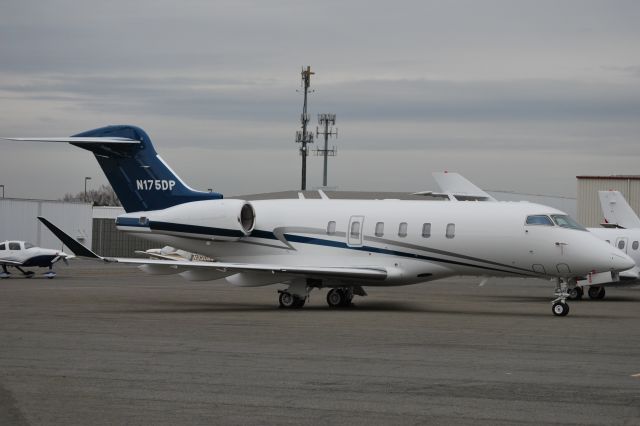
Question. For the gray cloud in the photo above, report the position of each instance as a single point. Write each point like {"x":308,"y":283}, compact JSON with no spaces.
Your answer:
{"x":538,"y":87}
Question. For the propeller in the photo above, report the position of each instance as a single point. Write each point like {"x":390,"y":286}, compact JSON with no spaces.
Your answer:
{"x":61,"y":256}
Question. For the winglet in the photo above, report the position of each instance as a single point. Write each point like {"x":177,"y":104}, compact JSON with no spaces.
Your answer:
{"x":77,"y":248}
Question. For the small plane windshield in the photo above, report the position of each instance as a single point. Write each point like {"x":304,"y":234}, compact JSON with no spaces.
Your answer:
{"x":539,"y":219}
{"x":28,"y":246}
{"x":565,"y":221}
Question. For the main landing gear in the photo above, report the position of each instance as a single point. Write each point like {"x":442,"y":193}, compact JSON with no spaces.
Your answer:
{"x":7,"y":274}
{"x":50,"y":274}
{"x":575,"y":293}
{"x":298,"y":293}
{"x":290,"y":301}
{"x":27,"y":274}
{"x":596,"y":292}
{"x":340,"y":297}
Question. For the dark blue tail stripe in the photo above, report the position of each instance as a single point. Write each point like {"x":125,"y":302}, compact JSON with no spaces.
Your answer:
{"x":139,"y":178}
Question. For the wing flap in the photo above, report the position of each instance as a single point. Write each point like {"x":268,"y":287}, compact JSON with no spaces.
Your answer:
{"x":368,"y":273}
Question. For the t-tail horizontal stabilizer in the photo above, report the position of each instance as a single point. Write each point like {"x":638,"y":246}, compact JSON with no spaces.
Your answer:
{"x":141,"y":179}
{"x":78,"y":249}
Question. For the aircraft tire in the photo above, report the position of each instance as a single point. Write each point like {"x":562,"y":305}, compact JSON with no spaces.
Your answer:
{"x":290,"y":301}
{"x":560,"y":309}
{"x":576,"y":293}
{"x":596,"y":292}
{"x":336,"y":298}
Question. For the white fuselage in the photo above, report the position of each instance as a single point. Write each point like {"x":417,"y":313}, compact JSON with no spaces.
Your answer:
{"x":626,"y":240}
{"x":481,"y":239}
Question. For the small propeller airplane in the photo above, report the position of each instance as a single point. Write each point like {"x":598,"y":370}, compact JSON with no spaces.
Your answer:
{"x":21,"y":254}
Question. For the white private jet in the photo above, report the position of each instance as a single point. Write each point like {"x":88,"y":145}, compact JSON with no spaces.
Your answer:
{"x":343,"y":245}
{"x":621,"y":229}
{"x":20,"y":254}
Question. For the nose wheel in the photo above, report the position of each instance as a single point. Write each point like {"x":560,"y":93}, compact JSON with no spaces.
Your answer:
{"x":559,"y":305}
{"x":560,"y":308}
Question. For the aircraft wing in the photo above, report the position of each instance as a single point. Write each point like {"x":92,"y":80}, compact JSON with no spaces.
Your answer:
{"x":160,"y":256}
{"x":365,"y":273}
{"x":10,"y":262}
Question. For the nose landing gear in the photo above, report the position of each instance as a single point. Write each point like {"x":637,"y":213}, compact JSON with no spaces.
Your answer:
{"x":559,"y":305}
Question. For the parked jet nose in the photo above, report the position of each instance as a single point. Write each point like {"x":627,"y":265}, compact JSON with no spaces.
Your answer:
{"x":600,"y":256}
{"x":621,"y":261}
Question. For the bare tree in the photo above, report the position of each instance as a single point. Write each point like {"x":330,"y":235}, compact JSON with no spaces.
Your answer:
{"x":103,"y":196}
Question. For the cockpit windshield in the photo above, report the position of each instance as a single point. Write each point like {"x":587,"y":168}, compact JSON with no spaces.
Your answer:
{"x":565,"y":221}
{"x":28,"y":246}
{"x":539,"y":219}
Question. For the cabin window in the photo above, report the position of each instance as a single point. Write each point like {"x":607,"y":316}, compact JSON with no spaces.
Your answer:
{"x":426,"y":230}
{"x":621,"y":244}
{"x":634,"y":245}
{"x":379,"y":229}
{"x":402,"y":230}
{"x":539,"y":219}
{"x":2,"y":247}
{"x":355,"y":229}
{"x":565,"y":221}
{"x":14,"y":246}
{"x":451,"y":230}
{"x":331,"y":227}
{"x":28,"y":246}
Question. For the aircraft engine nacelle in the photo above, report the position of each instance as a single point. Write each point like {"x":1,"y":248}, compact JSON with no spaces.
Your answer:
{"x":221,"y":220}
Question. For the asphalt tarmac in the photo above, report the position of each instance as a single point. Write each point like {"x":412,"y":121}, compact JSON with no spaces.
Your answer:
{"x":109,"y":345}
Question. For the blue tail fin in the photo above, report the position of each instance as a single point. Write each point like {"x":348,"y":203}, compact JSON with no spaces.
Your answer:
{"x":140,"y":178}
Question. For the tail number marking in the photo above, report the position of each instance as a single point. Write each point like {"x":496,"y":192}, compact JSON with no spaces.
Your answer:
{"x":155,"y":184}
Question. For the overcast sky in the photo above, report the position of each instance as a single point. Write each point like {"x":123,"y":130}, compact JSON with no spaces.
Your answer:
{"x":516,"y":95}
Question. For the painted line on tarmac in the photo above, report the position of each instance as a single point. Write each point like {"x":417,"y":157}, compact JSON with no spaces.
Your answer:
{"x":636,"y":375}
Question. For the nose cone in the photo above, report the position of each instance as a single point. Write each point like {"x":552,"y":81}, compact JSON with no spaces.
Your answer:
{"x":621,"y":262}
{"x":600,"y":256}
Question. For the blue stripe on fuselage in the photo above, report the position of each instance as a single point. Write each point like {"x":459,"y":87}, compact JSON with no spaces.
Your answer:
{"x":41,"y":261}
{"x":268,"y":235}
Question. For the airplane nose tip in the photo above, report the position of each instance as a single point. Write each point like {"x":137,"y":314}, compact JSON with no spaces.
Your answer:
{"x":621,"y":262}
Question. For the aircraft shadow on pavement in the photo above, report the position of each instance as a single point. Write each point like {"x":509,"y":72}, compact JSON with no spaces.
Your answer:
{"x":187,"y":307}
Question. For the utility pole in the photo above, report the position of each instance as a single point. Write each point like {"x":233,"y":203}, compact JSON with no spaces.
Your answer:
{"x":85,"y":187}
{"x":327,"y":121}
{"x":302,"y":137}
